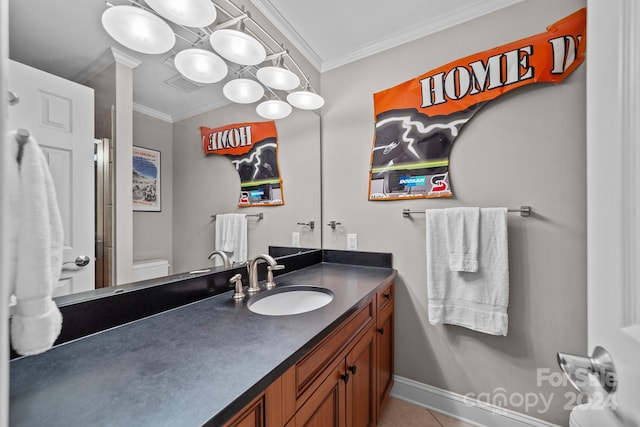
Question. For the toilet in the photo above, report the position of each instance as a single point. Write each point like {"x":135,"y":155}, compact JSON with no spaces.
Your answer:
{"x":150,"y":269}
{"x":585,"y":416}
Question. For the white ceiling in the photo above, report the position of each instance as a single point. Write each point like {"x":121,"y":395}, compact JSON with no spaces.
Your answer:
{"x":66,"y":38}
{"x":332,"y":33}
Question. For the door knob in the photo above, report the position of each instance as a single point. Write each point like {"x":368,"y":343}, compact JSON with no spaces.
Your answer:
{"x":80,"y":261}
{"x":590,"y":374}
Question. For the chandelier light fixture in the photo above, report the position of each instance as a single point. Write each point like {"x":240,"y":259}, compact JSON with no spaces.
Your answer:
{"x":214,"y":51}
{"x":190,"y":13}
{"x":274,"y":109}
{"x":243,"y":91}
{"x":278,"y":77}
{"x":305,"y":99}
{"x":138,"y":29}
{"x":238,"y":47}
{"x":201,"y":65}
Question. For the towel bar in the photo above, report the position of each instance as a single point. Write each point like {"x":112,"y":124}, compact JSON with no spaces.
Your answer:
{"x":523,"y":210}
{"x":259,"y":215}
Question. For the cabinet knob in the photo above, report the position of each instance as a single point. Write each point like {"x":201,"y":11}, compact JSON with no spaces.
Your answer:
{"x":381,"y":331}
{"x":345,"y":378}
{"x":353,"y":369}
{"x":388,"y":296}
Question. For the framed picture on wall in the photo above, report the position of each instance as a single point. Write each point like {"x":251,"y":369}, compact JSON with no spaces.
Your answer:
{"x":146,"y":180}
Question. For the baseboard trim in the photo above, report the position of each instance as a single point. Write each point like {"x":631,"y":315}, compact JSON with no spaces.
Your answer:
{"x":471,"y":411}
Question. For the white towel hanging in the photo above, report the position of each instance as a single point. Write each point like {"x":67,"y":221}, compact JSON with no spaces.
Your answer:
{"x":231,"y":236}
{"x":36,"y":245}
{"x":478,"y":300}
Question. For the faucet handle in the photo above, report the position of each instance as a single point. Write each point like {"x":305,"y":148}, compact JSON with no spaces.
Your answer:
{"x":237,"y":280}
{"x":270,"y":283}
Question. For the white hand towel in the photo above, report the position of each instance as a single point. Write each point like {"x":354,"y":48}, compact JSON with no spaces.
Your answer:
{"x":36,"y":248}
{"x":479,"y":300}
{"x":462,"y":228}
{"x":231,"y":237}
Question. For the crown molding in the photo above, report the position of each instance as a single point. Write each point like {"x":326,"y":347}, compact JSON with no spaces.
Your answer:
{"x":98,"y":65}
{"x":474,"y":10}
{"x":124,"y":59}
{"x":200,"y":110}
{"x":272,"y":14}
{"x":153,"y":113}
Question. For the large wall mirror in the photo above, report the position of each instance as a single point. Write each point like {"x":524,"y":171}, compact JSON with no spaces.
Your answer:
{"x":66,"y":39}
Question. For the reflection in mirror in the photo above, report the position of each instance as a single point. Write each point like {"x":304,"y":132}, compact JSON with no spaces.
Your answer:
{"x":140,"y":100}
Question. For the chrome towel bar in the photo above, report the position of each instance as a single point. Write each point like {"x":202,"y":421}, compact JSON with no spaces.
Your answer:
{"x":523,"y":210}
{"x":259,"y":215}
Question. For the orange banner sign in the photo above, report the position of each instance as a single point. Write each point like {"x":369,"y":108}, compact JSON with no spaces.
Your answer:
{"x":417,"y":121}
{"x":253,"y":149}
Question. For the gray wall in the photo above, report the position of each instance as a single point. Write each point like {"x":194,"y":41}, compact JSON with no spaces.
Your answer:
{"x":150,"y":237}
{"x":207,"y":185}
{"x":526,"y":147}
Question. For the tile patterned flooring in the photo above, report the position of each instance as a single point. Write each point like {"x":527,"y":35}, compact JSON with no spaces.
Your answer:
{"x":398,"y":413}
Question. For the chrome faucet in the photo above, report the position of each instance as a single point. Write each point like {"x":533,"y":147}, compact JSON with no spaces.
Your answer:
{"x":225,"y":258}
{"x":253,"y":272}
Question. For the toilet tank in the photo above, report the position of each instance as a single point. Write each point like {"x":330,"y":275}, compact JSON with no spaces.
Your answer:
{"x":149,"y":269}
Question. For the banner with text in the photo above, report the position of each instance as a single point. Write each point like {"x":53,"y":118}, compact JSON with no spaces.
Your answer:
{"x":418,"y":121}
{"x":253,"y":150}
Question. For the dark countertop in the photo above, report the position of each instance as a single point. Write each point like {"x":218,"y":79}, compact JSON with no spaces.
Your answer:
{"x":193,"y":365}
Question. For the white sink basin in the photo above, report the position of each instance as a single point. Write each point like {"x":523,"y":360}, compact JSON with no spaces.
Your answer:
{"x":290,"y":300}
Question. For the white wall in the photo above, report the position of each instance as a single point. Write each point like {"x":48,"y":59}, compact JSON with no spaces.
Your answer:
{"x":152,"y":235}
{"x":524,"y":148}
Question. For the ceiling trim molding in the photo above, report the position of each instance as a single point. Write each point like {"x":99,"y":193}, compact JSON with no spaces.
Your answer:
{"x":102,"y":61}
{"x":124,"y":59}
{"x":272,"y":14}
{"x":474,"y":10}
{"x":200,"y":110}
{"x":98,"y":65}
{"x":457,"y":17}
{"x":153,"y":113}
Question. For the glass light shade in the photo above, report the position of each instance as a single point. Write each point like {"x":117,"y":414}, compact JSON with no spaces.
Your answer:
{"x":190,"y":13}
{"x":274,"y":109}
{"x":138,"y":29}
{"x":201,"y":65}
{"x":305,"y":100}
{"x":278,"y":78}
{"x":238,"y":47}
{"x":243,"y":91}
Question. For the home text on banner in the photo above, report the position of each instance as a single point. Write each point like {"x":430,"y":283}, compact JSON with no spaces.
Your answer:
{"x":253,"y":150}
{"x":418,"y":121}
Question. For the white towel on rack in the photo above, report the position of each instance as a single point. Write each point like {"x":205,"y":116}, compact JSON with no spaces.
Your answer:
{"x":231,"y":237}
{"x":462,"y":229}
{"x":36,"y":241}
{"x":478,"y":300}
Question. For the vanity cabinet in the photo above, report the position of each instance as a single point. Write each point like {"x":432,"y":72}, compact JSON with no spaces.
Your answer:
{"x":343,"y":381}
{"x":346,"y":396}
{"x":384,"y":346}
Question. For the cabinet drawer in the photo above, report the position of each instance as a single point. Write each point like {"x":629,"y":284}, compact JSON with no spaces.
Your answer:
{"x":318,"y":360}
{"x":385,"y":297}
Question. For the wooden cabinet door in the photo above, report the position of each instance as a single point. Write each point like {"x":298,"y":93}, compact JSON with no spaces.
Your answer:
{"x":360,"y":364}
{"x":384,"y":361}
{"x":326,"y":406}
{"x":253,"y":415}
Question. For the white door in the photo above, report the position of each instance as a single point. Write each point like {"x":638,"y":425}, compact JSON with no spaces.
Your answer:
{"x":613,"y":183}
{"x":59,"y":114}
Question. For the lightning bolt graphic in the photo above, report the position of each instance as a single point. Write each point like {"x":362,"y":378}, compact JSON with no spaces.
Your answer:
{"x":255,"y":156}
{"x":408,"y":124}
